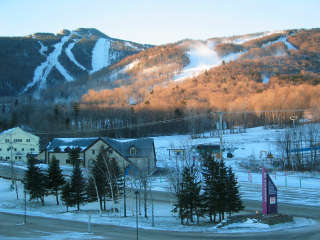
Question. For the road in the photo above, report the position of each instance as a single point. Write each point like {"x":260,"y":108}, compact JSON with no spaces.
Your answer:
{"x":45,"y":228}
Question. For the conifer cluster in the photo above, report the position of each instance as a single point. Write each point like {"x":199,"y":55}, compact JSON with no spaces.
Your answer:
{"x":211,"y":191}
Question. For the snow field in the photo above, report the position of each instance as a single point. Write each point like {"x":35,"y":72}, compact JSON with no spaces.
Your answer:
{"x":100,"y":54}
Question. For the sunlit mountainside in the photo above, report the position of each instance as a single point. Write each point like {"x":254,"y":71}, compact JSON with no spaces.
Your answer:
{"x":272,"y":70}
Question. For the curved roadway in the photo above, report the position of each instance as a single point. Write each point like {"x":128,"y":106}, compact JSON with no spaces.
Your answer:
{"x":43,"y":228}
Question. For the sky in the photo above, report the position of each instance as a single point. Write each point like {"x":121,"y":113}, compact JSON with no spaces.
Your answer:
{"x":157,"y":21}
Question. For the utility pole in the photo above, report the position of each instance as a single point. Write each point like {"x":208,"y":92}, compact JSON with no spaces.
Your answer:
{"x":25,"y":207}
{"x":220,"y":134}
{"x":137,"y":217}
{"x":124,"y":191}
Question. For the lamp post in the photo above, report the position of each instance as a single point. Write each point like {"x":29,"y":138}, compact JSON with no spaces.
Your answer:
{"x":25,"y":207}
{"x":124,"y":190}
{"x":137,"y":226}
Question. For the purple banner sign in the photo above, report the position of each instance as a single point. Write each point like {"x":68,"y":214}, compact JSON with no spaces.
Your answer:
{"x":264,"y":192}
{"x":269,"y":194}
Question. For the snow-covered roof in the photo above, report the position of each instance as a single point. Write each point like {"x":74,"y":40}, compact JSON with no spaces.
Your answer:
{"x":63,"y":143}
{"x":143,"y":146}
{"x":8,"y":131}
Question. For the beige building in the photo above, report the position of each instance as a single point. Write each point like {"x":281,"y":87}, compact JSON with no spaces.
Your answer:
{"x":16,"y":144}
{"x":132,"y":154}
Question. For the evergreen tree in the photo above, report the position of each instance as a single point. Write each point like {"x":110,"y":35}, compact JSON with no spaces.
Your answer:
{"x":234,"y":203}
{"x":78,"y":186}
{"x":210,"y":171}
{"x":221,"y":190}
{"x":35,"y":181}
{"x":73,"y":156}
{"x":66,"y":195}
{"x":99,"y":172}
{"x":188,"y":197}
{"x":55,"y":177}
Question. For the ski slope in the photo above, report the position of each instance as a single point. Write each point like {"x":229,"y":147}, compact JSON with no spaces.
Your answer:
{"x":202,"y":55}
{"x":100,"y":54}
{"x":43,"y":70}
{"x":71,"y":56}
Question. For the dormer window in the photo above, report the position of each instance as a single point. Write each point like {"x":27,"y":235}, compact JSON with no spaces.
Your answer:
{"x":133,"y":151}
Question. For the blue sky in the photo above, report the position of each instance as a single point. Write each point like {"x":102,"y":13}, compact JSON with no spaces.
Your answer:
{"x":157,"y":22}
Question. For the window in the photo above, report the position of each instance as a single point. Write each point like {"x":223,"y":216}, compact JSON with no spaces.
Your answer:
{"x":8,"y":149}
{"x":7,"y":158}
{"x":68,"y":161}
{"x":7,"y":140}
{"x":93,"y":152}
{"x":15,"y":149}
{"x":0,"y":149}
{"x":15,"y":157}
{"x":0,"y":157}
{"x":17,"y":140}
{"x":31,"y":149}
{"x":22,"y":149}
{"x":28,"y":140}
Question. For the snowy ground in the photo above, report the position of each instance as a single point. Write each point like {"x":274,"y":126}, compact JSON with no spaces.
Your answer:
{"x":164,"y":220}
{"x":293,"y":187}
{"x":244,"y":145}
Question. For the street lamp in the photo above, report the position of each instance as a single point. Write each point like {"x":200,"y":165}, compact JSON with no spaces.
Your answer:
{"x":25,"y":207}
{"x":137,"y":226}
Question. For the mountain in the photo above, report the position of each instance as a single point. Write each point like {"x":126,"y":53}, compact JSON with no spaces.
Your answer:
{"x":251,"y":71}
{"x":229,"y":73}
{"x":38,"y":63}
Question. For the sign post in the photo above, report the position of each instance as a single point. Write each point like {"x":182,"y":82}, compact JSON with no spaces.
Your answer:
{"x":269,"y":194}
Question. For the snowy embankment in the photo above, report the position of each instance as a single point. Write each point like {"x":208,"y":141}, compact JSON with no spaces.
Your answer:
{"x":71,"y":56}
{"x":43,"y":70}
{"x":100,"y":54}
{"x":164,"y":220}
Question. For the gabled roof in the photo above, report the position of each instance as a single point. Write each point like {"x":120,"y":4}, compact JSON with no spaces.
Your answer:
{"x":11,"y":130}
{"x":8,"y":131}
{"x":143,"y":146}
{"x":64,"y":143}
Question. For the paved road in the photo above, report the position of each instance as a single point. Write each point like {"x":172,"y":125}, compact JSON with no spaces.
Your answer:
{"x":44,"y":228}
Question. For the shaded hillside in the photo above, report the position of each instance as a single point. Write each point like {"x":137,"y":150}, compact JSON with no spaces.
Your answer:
{"x":37,"y":64}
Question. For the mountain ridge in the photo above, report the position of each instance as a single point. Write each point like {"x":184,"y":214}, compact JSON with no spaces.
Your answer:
{"x":46,"y":59}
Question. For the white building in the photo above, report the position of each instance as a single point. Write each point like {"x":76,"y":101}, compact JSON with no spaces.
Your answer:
{"x":16,"y":144}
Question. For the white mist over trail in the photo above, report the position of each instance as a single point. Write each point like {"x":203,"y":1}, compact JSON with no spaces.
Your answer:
{"x":202,"y":57}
